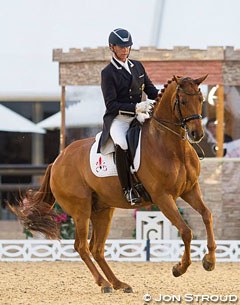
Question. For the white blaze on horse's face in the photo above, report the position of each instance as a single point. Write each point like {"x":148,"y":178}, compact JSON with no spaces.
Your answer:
{"x":188,"y":107}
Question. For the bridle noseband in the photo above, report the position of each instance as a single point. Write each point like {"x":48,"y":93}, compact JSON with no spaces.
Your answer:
{"x":183,"y":120}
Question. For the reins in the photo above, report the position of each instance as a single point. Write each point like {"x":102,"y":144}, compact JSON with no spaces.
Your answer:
{"x":184,"y":138}
{"x":160,"y":122}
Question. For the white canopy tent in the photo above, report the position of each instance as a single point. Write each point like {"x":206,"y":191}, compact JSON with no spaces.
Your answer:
{"x":80,"y":114}
{"x":86,"y":109}
{"x":14,"y":122}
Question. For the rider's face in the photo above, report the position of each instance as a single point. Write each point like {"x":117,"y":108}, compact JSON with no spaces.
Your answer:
{"x":121,"y":53}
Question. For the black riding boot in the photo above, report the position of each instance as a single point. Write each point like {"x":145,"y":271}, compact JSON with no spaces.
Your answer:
{"x":123,"y":169}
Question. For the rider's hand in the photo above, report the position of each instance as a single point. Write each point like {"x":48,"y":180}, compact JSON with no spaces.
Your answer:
{"x":141,"y":117}
{"x":143,"y":107}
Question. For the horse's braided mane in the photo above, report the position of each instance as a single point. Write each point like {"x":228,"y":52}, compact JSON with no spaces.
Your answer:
{"x":158,"y":99}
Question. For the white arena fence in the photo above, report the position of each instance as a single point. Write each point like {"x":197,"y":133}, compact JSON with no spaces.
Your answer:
{"x":116,"y":250}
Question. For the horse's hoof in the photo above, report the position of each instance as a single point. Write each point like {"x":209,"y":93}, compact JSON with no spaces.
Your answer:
{"x":106,"y":290}
{"x":209,"y":266}
{"x":128,"y":290}
{"x":176,"y":272}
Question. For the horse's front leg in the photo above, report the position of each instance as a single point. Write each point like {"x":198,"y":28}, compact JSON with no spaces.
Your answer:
{"x":169,"y":208}
{"x":194,"y":198}
{"x":101,"y":222}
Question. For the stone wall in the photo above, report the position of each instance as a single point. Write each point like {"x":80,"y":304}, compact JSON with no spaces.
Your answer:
{"x":148,"y":54}
{"x":161,"y":71}
{"x":231,"y":73}
{"x":11,"y":229}
{"x":123,"y":224}
{"x":83,"y":67}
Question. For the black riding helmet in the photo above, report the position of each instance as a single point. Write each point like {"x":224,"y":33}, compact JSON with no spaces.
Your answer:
{"x":120,"y":37}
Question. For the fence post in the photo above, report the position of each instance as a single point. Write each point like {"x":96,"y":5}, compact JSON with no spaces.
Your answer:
{"x":148,"y":245}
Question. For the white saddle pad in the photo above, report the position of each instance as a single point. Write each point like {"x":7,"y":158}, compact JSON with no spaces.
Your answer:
{"x":103,"y":165}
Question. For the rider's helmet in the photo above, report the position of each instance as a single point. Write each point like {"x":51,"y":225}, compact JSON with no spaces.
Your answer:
{"x":120,"y":37}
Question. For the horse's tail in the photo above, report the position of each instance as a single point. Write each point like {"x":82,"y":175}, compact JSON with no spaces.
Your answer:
{"x":35,"y":210}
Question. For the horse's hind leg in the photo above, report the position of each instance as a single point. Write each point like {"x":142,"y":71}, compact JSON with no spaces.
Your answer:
{"x":101,"y":221}
{"x":194,"y":198}
{"x":169,"y":208}
{"x":81,"y":246}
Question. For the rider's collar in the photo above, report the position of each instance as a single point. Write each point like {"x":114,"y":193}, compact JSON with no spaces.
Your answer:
{"x":119,"y":64}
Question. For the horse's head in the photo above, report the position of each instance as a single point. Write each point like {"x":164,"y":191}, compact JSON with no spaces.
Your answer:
{"x":187,"y":106}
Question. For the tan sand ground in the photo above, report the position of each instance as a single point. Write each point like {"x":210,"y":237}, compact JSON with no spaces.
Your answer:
{"x":62,"y":283}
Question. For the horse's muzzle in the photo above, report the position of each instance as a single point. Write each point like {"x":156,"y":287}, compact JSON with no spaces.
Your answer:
{"x":194,"y":135}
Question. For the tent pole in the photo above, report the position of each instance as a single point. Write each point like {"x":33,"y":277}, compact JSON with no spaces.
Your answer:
{"x":220,"y":120}
{"x":62,"y":129}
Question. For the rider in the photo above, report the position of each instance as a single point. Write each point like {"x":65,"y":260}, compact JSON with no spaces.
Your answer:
{"x":123,"y":82}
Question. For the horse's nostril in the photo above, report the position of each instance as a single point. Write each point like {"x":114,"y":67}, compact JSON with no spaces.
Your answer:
{"x":194,"y":134}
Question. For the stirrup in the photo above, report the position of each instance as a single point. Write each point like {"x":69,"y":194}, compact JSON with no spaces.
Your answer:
{"x":131,"y":197}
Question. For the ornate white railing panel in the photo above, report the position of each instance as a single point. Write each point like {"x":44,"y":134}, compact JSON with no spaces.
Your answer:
{"x":116,"y":250}
{"x":154,"y":225}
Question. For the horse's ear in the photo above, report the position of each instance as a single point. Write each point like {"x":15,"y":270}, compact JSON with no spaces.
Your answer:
{"x":175,"y":79}
{"x":198,"y":81}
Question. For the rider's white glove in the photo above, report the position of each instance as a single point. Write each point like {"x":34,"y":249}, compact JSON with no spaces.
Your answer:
{"x":143,"y":107}
{"x":141,"y":117}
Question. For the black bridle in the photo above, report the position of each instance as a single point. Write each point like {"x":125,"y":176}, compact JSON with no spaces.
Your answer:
{"x":183,"y":120}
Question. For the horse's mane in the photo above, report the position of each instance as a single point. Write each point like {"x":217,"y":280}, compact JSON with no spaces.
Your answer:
{"x":160,"y":95}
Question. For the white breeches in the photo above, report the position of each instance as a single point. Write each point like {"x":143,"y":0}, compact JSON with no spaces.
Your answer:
{"x":119,"y":128}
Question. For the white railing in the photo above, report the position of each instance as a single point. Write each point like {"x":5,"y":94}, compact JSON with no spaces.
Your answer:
{"x":116,"y":250}
{"x":156,"y":241}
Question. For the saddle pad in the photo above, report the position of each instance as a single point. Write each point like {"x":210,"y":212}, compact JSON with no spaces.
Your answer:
{"x":103,"y":165}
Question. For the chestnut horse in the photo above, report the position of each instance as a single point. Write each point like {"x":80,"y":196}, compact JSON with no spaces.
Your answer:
{"x":169,"y":169}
